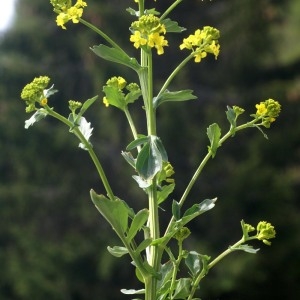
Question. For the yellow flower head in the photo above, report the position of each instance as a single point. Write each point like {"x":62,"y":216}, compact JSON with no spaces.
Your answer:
{"x":202,"y":42}
{"x":268,"y":111}
{"x":148,"y":31}
{"x":67,"y":12}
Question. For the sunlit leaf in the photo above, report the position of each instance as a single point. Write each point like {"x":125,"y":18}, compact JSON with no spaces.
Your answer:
{"x":37,"y":116}
{"x":117,"y":251}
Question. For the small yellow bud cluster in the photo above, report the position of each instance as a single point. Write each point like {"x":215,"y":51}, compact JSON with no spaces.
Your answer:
{"x":265,"y":231}
{"x":148,"y":32}
{"x":268,"y":111}
{"x":74,"y":105}
{"x":34,"y":92}
{"x":67,"y":12}
{"x":202,"y":42}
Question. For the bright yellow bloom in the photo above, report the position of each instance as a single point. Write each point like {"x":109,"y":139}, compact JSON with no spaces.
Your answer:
{"x":137,"y":39}
{"x":74,"y":14}
{"x":202,"y":42}
{"x":66,"y":12}
{"x":157,"y":41}
{"x":261,"y":109}
{"x":199,"y":56}
{"x":148,"y":31}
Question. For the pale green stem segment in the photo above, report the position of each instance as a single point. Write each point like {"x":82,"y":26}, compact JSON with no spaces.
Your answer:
{"x":170,"y":8}
{"x":101,"y":33}
{"x":89,"y":149}
{"x":215,"y":261}
{"x":230,"y":133}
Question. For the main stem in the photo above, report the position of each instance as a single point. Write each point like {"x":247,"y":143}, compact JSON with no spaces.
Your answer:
{"x":153,"y":221}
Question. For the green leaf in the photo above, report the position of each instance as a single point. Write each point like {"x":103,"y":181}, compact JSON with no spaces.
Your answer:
{"x":132,"y":291}
{"x":176,"y":210}
{"x":150,"y":159}
{"x":245,"y":248}
{"x":117,"y":56}
{"x":193,"y":262}
{"x":115,"y":96}
{"x":137,"y":223}
{"x":86,"y":105}
{"x":117,"y":251}
{"x":197,"y":210}
{"x":164,"y":193}
{"x":143,"y":245}
{"x":166,"y":272}
{"x":176,"y":96}
{"x":132,"y":96}
{"x":143,"y":139}
{"x":183,"y":287}
{"x":49,"y":92}
{"x":231,"y":116}
{"x":214,"y":134}
{"x":172,"y":26}
{"x":37,"y":116}
{"x":129,"y":158}
{"x":116,"y":212}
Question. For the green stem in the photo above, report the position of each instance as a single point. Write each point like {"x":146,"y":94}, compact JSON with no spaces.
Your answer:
{"x":170,"y":8}
{"x":89,"y":148}
{"x":131,"y":123}
{"x":230,"y":133}
{"x":101,"y":33}
{"x":174,"y":73}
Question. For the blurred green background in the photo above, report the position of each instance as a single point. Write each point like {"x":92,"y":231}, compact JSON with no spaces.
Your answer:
{"x":53,"y":241}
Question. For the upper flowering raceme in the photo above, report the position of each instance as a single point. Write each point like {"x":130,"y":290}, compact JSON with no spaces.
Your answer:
{"x":268,"y":111}
{"x":67,"y":12}
{"x":202,"y":42}
{"x":35,"y":92}
{"x":149,"y":32}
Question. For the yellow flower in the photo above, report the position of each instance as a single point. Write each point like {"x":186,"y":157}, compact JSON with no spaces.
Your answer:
{"x":202,"y":42}
{"x":61,"y":19}
{"x":157,"y":41}
{"x":66,"y":12}
{"x":137,"y":39}
{"x":199,"y":56}
{"x":261,"y":109}
{"x":74,"y":14}
{"x":149,"y":31}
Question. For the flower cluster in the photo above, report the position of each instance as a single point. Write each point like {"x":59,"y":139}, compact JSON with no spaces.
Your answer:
{"x":202,"y":42}
{"x":265,"y":231}
{"x":149,"y":32}
{"x":67,"y":12}
{"x":114,"y":94}
{"x":268,"y":111}
{"x":35,"y":92}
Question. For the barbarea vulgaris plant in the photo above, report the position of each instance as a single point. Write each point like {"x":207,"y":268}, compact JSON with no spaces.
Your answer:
{"x":156,"y":264}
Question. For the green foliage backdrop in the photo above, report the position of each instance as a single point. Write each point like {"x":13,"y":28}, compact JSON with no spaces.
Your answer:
{"x":51,"y":237}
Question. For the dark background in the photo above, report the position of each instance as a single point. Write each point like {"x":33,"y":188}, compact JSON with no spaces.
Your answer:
{"x":53,"y":241}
